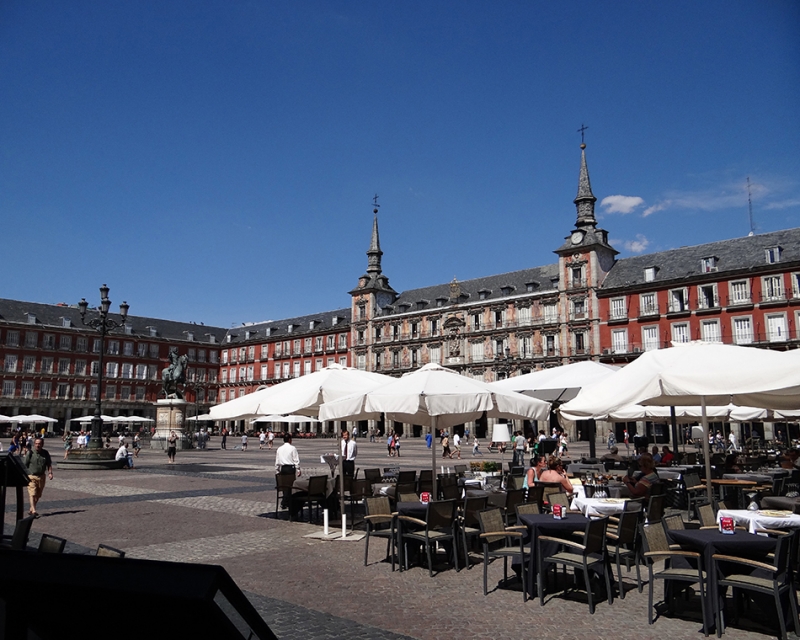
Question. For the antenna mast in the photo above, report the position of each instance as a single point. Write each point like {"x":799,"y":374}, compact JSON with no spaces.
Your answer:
{"x":750,"y":208}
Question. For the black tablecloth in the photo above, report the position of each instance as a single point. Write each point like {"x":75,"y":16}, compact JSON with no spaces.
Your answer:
{"x":711,"y":541}
{"x":779,"y":502}
{"x":544,"y":524}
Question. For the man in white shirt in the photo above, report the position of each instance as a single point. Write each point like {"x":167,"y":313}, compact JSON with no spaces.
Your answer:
{"x":457,"y":445}
{"x":349,"y":453}
{"x":262,"y":440}
{"x":122,"y":454}
{"x":519,"y":450}
{"x":286,"y":456}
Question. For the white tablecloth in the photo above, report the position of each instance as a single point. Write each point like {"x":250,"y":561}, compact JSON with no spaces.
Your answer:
{"x":759,"y":519}
{"x":599,"y":506}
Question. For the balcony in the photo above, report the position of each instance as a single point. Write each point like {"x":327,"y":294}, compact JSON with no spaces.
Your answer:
{"x":649,"y":311}
{"x":772,"y":298}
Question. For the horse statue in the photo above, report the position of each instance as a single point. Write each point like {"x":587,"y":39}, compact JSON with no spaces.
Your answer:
{"x":174,"y":374}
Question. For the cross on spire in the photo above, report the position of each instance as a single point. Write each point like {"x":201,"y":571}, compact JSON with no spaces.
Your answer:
{"x":581,"y":131}
{"x":375,"y":202}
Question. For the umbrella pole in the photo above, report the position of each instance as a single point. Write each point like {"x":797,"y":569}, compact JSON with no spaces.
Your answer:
{"x":706,"y":449}
{"x":341,"y":474}
{"x":433,"y":455}
{"x":674,"y":422}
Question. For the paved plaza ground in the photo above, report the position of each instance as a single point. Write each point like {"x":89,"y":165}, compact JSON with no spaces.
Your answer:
{"x":217,"y":506}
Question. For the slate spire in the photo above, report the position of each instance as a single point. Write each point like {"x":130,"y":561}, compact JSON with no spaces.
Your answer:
{"x":584,"y":201}
{"x":374,"y":253}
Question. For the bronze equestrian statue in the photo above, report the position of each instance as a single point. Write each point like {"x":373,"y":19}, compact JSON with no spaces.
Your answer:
{"x":174,"y":374}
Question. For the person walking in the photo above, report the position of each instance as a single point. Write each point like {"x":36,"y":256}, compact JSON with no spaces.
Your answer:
{"x":244,"y":442}
{"x":39,"y":466}
{"x":262,"y":440}
{"x":172,"y":447}
{"x":475,"y":446}
{"x":67,"y":443}
{"x":446,"y":447}
{"x":137,"y":444}
{"x":270,"y":438}
{"x":224,"y":441}
{"x":457,"y":445}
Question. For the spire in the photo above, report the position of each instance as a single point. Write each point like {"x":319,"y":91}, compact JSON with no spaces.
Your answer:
{"x":374,"y":254}
{"x":584,"y":201}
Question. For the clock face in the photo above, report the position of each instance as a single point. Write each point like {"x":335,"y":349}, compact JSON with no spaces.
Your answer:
{"x":577,"y":236}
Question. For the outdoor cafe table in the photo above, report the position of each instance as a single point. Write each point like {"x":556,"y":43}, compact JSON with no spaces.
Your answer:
{"x":595,"y":507}
{"x":755,"y":477}
{"x":710,"y":541}
{"x":544,"y":524}
{"x":738,"y":484}
{"x":761,"y":519}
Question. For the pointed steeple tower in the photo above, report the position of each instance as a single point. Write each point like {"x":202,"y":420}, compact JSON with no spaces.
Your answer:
{"x":373,"y":291}
{"x":584,"y":201}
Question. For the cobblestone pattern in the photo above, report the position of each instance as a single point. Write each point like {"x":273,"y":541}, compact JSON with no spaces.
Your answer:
{"x":221,"y":504}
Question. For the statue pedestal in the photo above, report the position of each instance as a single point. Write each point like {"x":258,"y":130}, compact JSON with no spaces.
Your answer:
{"x":170,"y":413}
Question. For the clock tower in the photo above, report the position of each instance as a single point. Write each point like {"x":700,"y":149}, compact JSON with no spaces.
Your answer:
{"x":584,"y":260}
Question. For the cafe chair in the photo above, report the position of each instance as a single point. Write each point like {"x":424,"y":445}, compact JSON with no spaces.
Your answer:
{"x":514,"y":498}
{"x":380,"y":523}
{"x":528,"y":509}
{"x":373,"y":476}
{"x":622,"y":545}
{"x":425,"y":481}
{"x":407,"y":477}
{"x":19,"y":539}
{"x":584,"y":557}
{"x":655,"y":509}
{"x":51,"y":544}
{"x":656,"y":548}
{"x":316,"y":494}
{"x":284,"y":483}
{"x":359,"y":490}
{"x":673,"y":523}
{"x":501,"y":542}
{"x":438,"y":527}
{"x":469,"y":524}
{"x":769,"y":578}
{"x":707,"y":515}
{"x":696,"y":492}
{"x":407,"y":497}
{"x":536,"y":496}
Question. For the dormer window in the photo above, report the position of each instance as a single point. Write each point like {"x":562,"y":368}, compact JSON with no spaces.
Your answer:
{"x":530,"y":287}
{"x":212,"y":339}
{"x":483,"y":294}
{"x":290,"y":328}
{"x":153,"y":332}
{"x":773,"y":255}
{"x":440,"y":302}
{"x":649,"y":274}
{"x":128,"y":329}
{"x":31,"y":318}
{"x":421,"y":304}
{"x":707,"y":265}
{"x":66,"y":322}
{"x":404,"y":307}
{"x":190,"y":336}
{"x":229,"y":338}
{"x":506,"y":291}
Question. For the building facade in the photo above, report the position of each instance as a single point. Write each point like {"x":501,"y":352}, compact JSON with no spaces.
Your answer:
{"x":587,"y":304}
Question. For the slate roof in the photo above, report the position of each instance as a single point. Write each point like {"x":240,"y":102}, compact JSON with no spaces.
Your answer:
{"x":470,"y":289}
{"x":737,"y":254}
{"x":50,"y":315}
{"x":302,"y":326}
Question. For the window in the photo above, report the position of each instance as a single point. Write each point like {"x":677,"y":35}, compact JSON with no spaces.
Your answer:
{"x":32,"y":339}
{"x":80,"y":367}
{"x":111,"y":392}
{"x":680,"y":332}
{"x":81,"y":344}
{"x":29,"y":364}
{"x":112,"y":369}
{"x":213,"y":357}
{"x":139,"y":394}
{"x":96,"y":345}
{"x":524,"y":347}
{"x":27,"y":390}
{"x":772,"y":288}
{"x":618,"y":311}
{"x":500,"y":347}
{"x":63,"y":365}
{"x":648,"y":306}
{"x":742,"y":330}
{"x":141,"y":349}
{"x":773,"y":255}
{"x":191,"y":354}
{"x":707,"y":265}
{"x":10,"y":363}
{"x":378,"y":360}
{"x":152,"y":372}
{"x":434,"y":326}
{"x":577,"y":277}
{"x":12,"y":338}
{"x":524,"y":316}
{"x":578,"y":309}
{"x":580,"y":342}
{"x":435,"y":354}
{"x":477,"y":351}
{"x":263,"y":372}
{"x":62,"y":391}
{"x":296,"y":346}
{"x":65,"y":342}
{"x":619,"y":341}
{"x":232,"y":374}
{"x":551,"y":345}
{"x":318,"y":343}
{"x":212,"y":375}
{"x":650,"y":338}
{"x":361,"y":361}
{"x":414,"y":357}
{"x":795,"y":284}
{"x":499,"y":319}
{"x":127,"y":370}
{"x":124,"y":393}
{"x":201,"y":355}
{"x":45,"y":389}
{"x":678,"y":300}
{"x":318,"y":364}
{"x":9,"y":387}
{"x":95,"y":367}
{"x":113,"y":347}
{"x":343,"y":341}
{"x":79,"y":392}
{"x":224,"y":356}
{"x":93,"y":392}
{"x":776,"y":328}
{"x":739,"y":292}
{"x":415,"y":329}
{"x":154,"y":351}
{"x":360,"y":336}
{"x":649,"y":274}
{"x":127,"y":349}
{"x":295,"y":369}
{"x":307,"y":345}
{"x":223,"y":395}
{"x":250,"y":372}
{"x":476,"y":321}
{"x":212,"y":395}
{"x":47,"y":365}
{"x":285,"y":369}
{"x":483,"y":294}
{"x":709,"y":331}
{"x":141,"y":372}
{"x":342,"y":361}
{"x":550,"y":312}
{"x":707,"y":296}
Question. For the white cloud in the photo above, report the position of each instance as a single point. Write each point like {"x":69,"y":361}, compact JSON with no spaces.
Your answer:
{"x":660,"y":206}
{"x":621,"y":204}
{"x":639,"y":245}
{"x":783,"y":204}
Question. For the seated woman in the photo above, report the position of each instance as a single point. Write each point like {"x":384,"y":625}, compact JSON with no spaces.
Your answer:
{"x":555,"y":473}
{"x":641,"y":488}
{"x":122,"y":454}
{"x":534,"y":472}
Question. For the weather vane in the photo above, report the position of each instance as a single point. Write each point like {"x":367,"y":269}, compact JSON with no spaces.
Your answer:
{"x":581,"y":131}
{"x":375,"y":204}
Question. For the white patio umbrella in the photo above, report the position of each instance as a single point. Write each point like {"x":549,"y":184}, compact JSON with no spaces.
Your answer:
{"x":437,"y":397}
{"x":32,"y":419}
{"x":558,"y":383}
{"x":292,"y":419}
{"x":303,"y":395}
{"x":696,"y":373}
{"x":88,"y":419}
{"x":5,"y":419}
{"x":203,"y":416}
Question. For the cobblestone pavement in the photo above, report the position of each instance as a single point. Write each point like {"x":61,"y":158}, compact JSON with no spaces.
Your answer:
{"x":217,"y":506}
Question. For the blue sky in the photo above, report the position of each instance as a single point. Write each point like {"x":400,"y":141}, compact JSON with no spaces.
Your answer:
{"x":216,"y":161}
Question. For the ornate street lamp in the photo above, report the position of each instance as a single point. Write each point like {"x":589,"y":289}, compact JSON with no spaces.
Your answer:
{"x":102,"y":324}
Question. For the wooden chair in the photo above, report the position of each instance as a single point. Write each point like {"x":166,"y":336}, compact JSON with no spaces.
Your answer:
{"x":380,"y":523}
{"x":501,"y":542}
{"x":581,"y":557}
{"x":51,"y":544}
{"x":656,"y":548}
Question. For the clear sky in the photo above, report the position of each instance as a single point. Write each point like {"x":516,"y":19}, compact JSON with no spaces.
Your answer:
{"x":216,"y":161}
